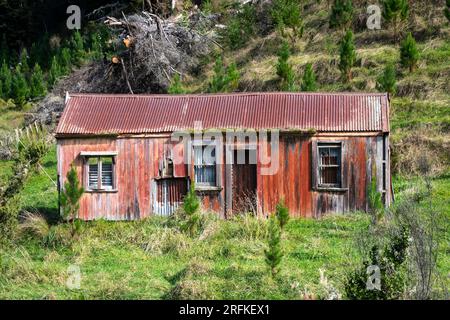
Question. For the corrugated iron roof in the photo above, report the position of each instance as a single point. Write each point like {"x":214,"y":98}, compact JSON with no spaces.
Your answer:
{"x":89,"y":114}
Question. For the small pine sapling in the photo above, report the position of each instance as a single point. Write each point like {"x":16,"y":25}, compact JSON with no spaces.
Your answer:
{"x":409,"y":55}
{"x":309,"y":79}
{"x":284,"y":69}
{"x":191,"y":208}
{"x":347,"y":56}
{"x":273,"y":254}
{"x":70,"y":199}
{"x":282,"y":214}
{"x":387,"y":80}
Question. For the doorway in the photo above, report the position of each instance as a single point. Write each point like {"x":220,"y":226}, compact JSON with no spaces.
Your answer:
{"x":244,"y":199}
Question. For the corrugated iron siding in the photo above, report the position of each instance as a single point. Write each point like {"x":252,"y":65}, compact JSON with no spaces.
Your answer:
{"x":137,"y":176}
{"x":168,"y":195}
{"x":361,"y":161}
{"x":131,"y":114}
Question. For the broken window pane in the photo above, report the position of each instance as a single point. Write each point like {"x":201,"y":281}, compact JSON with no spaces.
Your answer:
{"x":205,"y":165}
{"x":330,"y":165}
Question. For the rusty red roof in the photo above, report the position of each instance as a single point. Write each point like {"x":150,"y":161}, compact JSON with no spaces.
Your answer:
{"x":94,"y":114}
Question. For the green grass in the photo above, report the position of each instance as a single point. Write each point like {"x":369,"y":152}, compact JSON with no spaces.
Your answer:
{"x":148,"y":260}
{"x":411,"y":114}
{"x":40,"y":192}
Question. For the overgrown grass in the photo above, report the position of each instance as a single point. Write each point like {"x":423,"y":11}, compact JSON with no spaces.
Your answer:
{"x":149,"y":259}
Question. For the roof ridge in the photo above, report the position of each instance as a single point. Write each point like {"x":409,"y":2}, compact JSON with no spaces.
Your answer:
{"x":163,"y":95}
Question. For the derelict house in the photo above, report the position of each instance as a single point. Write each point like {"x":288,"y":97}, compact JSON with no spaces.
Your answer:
{"x":136,"y":155}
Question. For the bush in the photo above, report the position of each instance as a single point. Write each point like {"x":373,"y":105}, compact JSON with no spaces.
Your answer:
{"x":240,"y":27}
{"x":427,"y":228}
{"x":341,"y":14}
{"x":447,"y":10}
{"x":387,"y":81}
{"x":9,"y":210}
{"x":392,"y":277}
{"x":286,"y":14}
{"x":65,"y":62}
{"x":33,"y":145}
{"x":35,"y":226}
{"x":225,"y":79}
{"x":176,"y":86}
{"x":395,"y":11}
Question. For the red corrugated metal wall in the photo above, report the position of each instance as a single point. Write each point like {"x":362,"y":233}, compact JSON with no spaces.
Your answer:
{"x":138,"y":164}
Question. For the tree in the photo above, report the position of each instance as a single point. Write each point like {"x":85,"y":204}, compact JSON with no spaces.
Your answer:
{"x":77,"y":44}
{"x":408,"y":53}
{"x":55,"y":72}
{"x":347,"y":56}
{"x":176,"y":87}
{"x":6,"y":79}
{"x":447,"y":10}
{"x":387,"y":80}
{"x":38,"y":85}
{"x":24,"y":61}
{"x":96,"y":48}
{"x":191,"y":208}
{"x":395,"y":11}
{"x":309,"y":79}
{"x":341,"y":14}
{"x":287,"y":14}
{"x":240,"y":27}
{"x":20,"y":90}
{"x":284,"y":69}
{"x":282,"y":214}
{"x":70,"y":198}
{"x":224,"y":79}
{"x":273,"y":254}
{"x":65,"y":61}
{"x":4,"y":51}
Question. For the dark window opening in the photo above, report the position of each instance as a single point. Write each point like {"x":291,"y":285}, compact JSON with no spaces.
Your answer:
{"x":329,"y":165}
{"x":205,"y":165}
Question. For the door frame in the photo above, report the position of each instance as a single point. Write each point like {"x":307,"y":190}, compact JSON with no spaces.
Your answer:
{"x":229,"y":159}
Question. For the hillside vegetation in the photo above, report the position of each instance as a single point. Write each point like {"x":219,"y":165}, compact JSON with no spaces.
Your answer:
{"x":156,"y":259}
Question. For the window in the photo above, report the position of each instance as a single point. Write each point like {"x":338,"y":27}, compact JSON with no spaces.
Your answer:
{"x":329,"y":165}
{"x":205,"y":165}
{"x":100,"y":172}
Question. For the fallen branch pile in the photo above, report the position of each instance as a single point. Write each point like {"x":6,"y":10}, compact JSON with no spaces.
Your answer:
{"x":154,"y":50}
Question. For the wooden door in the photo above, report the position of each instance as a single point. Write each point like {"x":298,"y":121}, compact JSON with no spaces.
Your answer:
{"x":244,"y":182}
